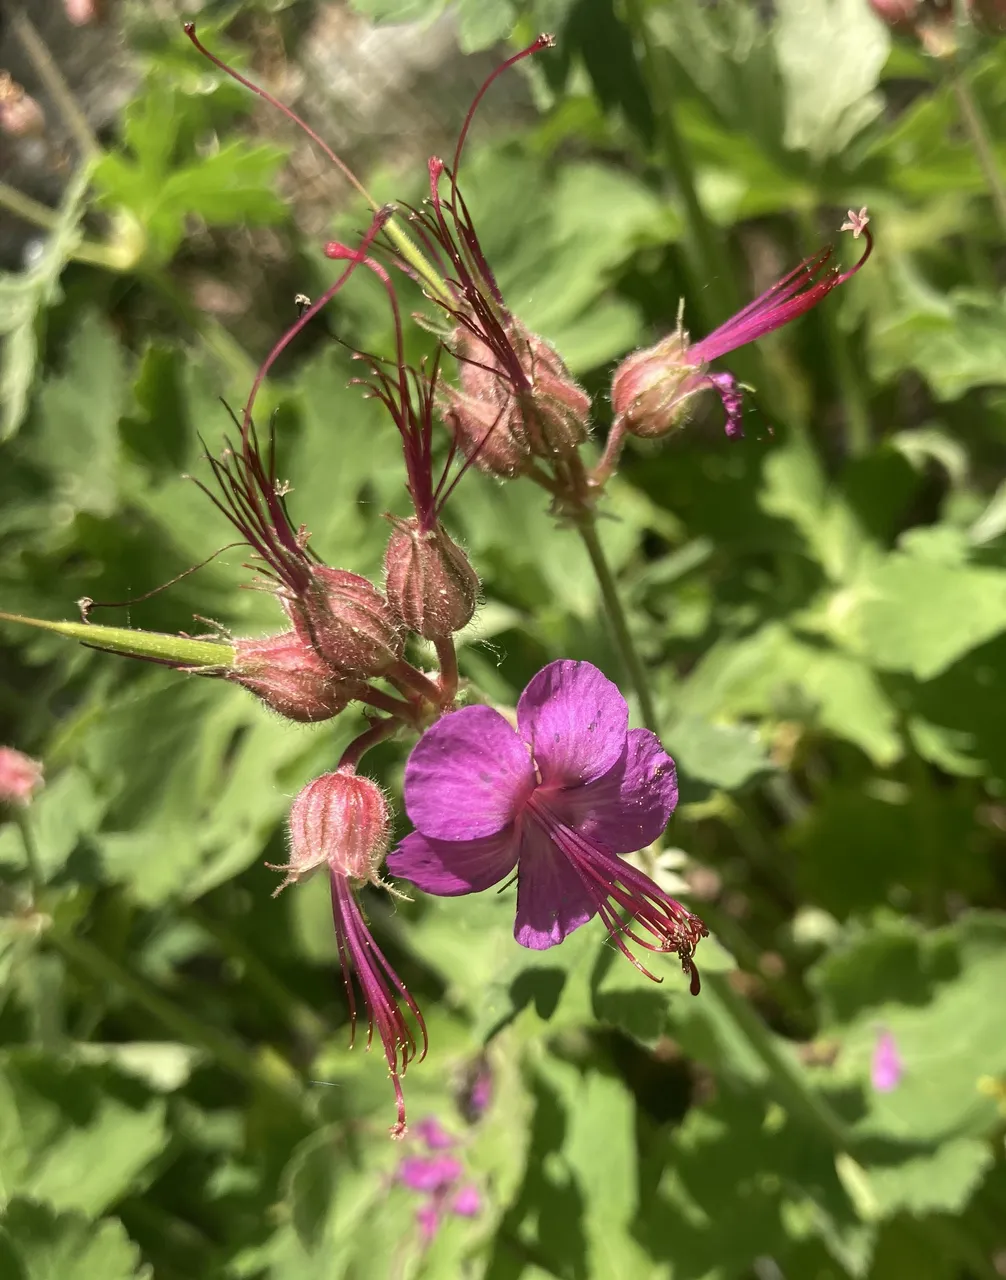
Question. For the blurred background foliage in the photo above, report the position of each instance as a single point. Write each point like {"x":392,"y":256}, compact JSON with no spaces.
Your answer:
{"x":822,"y":605}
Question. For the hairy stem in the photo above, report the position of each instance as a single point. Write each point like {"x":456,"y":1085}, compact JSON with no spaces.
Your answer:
{"x":28,"y":844}
{"x":359,"y":747}
{"x":447,"y":656}
{"x":404,"y":676}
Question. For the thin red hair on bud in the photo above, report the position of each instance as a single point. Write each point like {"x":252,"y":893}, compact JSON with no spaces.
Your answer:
{"x":344,"y":169}
{"x":87,"y":606}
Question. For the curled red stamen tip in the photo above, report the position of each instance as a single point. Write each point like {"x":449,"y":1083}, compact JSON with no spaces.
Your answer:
{"x":545,"y":41}
{"x":190,"y":29}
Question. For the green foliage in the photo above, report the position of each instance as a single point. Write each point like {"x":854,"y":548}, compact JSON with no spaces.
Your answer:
{"x":821,"y":608}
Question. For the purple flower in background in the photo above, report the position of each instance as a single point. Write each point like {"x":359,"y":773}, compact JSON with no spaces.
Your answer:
{"x":559,"y":798}
{"x":886,"y":1068}
{"x":437,"y":1177}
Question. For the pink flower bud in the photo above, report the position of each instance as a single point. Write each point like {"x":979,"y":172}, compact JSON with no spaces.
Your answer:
{"x":651,"y":389}
{"x":340,"y":820}
{"x":348,"y":621}
{"x":286,"y":672}
{"x":82,"y":12}
{"x":20,"y":777}
{"x":20,"y":114}
{"x":430,"y":583}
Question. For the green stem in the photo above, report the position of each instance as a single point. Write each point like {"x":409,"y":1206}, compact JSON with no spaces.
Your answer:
{"x":226,"y":1050}
{"x":586,"y":526}
{"x":57,"y":88}
{"x":29,"y":210}
{"x":359,"y":747}
{"x":981,"y":142}
{"x":786,"y":1077}
{"x":31,"y":859}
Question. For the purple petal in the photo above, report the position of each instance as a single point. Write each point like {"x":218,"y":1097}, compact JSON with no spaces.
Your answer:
{"x":422,"y":1173}
{"x":467,"y":776}
{"x":452,"y":867}
{"x":575,"y":721}
{"x":552,"y":900}
{"x":428,"y":1218}
{"x":630,"y":806}
{"x":886,"y":1067}
{"x":733,"y":402}
{"x":467,"y":1202}
{"x":434,"y":1134}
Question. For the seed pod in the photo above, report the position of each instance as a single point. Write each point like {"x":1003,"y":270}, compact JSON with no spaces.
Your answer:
{"x":430,"y":582}
{"x":287,"y":673}
{"x":348,"y":621}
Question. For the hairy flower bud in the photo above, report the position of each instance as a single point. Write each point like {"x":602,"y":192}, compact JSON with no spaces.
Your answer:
{"x":20,"y":777}
{"x":289,"y":676}
{"x":348,"y":621}
{"x":508,"y":412}
{"x":342,"y":821}
{"x":650,"y":389}
{"x":430,"y":582}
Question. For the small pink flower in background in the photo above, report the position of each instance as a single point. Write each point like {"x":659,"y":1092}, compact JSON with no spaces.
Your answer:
{"x":438,"y":1177}
{"x":20,"y":777}
{"x":558,"y":798}
{"x":886,"y":1067}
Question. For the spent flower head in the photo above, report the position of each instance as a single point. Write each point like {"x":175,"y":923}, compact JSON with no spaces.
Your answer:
{"x":559,"y":799}
{"x":342,"y":820}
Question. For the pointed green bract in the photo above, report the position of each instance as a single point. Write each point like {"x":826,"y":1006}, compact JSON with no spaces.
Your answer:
{"x":161,"y":647}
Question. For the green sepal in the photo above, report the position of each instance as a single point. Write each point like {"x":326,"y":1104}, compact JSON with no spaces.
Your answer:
{"x":180,"y":650}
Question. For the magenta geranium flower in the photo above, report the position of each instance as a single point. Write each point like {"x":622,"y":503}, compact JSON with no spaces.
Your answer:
{"x":558,"y":798}
{"x":886,"y":1068}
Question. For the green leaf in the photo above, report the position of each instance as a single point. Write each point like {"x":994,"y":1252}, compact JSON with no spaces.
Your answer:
{"x":916,"y":615}
{"x":830,"y":55}
{"x":23,"y":300}
{"x":77,"y":1147}
{"x":67,"y":1246}
{"x":723,"y":755}
{"x":954,"y":340}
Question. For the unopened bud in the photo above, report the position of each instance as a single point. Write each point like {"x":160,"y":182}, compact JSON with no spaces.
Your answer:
{"x":20,"y":777}
{"x":430,"y":582}
{"x":340,"y":820}
{"x":20,"y":115}
{"x":502,"y":417}
{"x":82,"y":12}
{"x":287,"y":673}
{"x":651,"y":388}
{"x":349,"y":622}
